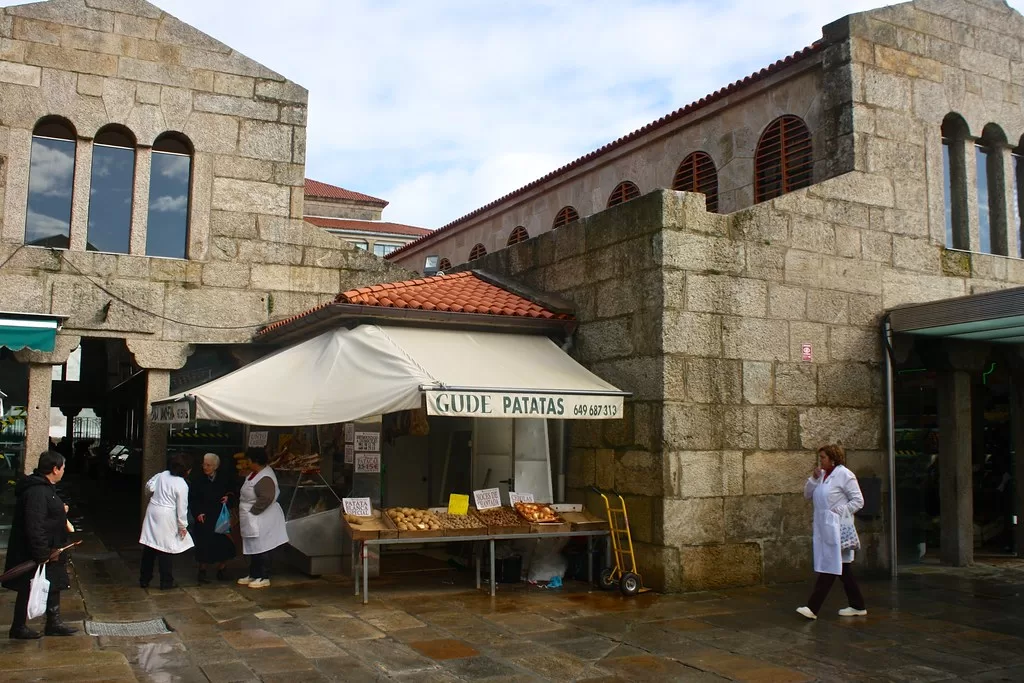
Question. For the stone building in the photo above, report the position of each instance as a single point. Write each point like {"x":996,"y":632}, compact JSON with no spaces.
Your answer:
{"x":873,"y":172}
{"x":152,"y":183}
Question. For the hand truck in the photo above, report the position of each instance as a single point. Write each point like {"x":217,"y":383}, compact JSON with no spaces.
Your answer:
{"x":629,"y":582}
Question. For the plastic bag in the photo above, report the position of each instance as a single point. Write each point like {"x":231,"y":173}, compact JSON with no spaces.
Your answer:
{"x":223,"y":520}
{"x":38,"y":591}
{"x":848,"y":538}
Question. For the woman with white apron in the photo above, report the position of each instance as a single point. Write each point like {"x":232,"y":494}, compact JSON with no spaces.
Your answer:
{"x":165,"y":528}
{"x":836,"y":493}
{"x":260,"y":519}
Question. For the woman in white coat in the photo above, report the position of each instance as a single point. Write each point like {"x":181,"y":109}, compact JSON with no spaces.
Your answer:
{"x":165,"y":528}
{"x":835,"y":492}
{"x":260,"y":519}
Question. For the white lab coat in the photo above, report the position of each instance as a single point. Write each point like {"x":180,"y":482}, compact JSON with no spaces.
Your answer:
{"x":166,"y":514}
{"x":266,"y":530}
{"x":831,"y":495}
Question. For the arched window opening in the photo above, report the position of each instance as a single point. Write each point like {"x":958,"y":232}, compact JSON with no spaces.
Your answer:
{"x":111,"y":190}
{"x":518,"y":235}
{"x":1018,"y":196}
{"x":477,"y":251}
{"x":51,"y":184}
{"x":444,"y":264}
{"x":991,"y":179}
{"x":565,"y":215}
{"x":697,"y":174}
{"x":784,"y":160}
{"x":170,"y":183}
{"x":954,"y":167}
{"x":623,"y":192}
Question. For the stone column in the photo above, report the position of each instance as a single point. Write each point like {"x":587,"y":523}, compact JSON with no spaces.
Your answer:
{"x":40,"y":384}
{"x":140,"y":203}
{"x":971,"y":181}
{"x":80,"y":198}
{"x":1009,"y":191}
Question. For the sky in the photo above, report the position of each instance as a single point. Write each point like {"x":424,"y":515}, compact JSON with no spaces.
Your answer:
{"x":441,"y":106}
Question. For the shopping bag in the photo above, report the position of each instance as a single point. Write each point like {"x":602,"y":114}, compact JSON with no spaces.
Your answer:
{"x":38,"y":591}
{"x":224,"y":520}
{"x":848,"y":538}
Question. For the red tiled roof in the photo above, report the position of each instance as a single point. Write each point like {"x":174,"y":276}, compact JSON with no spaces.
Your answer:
{"x":314,"y":188}
{"x":654,"y":125}
{"x":366,"y":226}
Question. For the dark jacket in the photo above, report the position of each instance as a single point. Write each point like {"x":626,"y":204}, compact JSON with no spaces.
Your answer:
{"x":39,"y":526}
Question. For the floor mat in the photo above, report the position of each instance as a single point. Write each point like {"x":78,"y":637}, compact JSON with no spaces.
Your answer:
{"x":131,"y":628}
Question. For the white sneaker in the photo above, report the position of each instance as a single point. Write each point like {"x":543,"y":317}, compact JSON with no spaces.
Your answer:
{"x":245,"y":580}
{"x":260,"y":583}
{"x":806,"y":612}
{"x":852,"y":612}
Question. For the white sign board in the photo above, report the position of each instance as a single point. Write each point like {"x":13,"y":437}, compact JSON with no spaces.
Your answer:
{"x":487,"y":498}
{"x":350,"y":454}
{"x":551,"y":406}
{"x":367,"y":441}
{"x":514,"y":497}
{"x":350,"y":432}
{"x":359,"y":507}
{"x":367,"y":463}
{"x":258,"y":439}
{"x":179,"y":412}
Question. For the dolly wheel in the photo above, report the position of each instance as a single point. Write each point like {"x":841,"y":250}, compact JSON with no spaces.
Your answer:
{"x":607,"y":579}
{"x":629,"y":584}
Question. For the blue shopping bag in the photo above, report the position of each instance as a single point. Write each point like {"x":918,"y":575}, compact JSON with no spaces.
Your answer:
{"x":223,"y":520}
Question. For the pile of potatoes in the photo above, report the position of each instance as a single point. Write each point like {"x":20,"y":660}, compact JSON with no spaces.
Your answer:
{"x":411,"y":519}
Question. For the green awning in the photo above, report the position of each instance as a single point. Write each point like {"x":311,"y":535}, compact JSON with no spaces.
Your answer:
{"x":28,"y":332}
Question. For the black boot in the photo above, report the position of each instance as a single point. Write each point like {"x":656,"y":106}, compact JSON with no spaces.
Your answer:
{"x":19,"y":630}
{"x":55,"y":626}
{"x":222,"y":575}
{"x":201,"y":578}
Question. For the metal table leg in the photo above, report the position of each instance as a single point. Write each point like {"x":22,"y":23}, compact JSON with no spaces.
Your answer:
{"x":478,"y":551}
{"x":356,"y":565}
{"x":590,"y":560}
{"x":366,"y":574}
{"x":492,"y":567}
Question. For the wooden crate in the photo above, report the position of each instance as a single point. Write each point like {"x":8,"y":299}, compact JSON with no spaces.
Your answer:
{"x":479,"y":530}
{"x":522,"y":527}
{"x":421,"y":533}
{"x":581,"y":519}
{"x":377,"y":526}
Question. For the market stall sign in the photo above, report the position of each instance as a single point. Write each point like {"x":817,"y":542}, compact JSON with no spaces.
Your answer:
{"x":179,"y":412}
{"x":555,"y":406}
{"x":350,"y":454}
{"x":458,"y":504}
{"x":367,"y":441}
{"x":258,"y":439}
{"x":514,"y":497}
{"x":486,"y":499}
{"x":367,"y":463}
{"x":360,"y":507}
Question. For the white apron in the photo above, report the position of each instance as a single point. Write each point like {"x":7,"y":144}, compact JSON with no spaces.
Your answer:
{"x":166,"y":514}
{"x":840,"y":490}
{"x":266,"y":530}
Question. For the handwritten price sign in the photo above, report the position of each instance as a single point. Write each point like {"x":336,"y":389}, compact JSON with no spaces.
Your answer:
{"x":514,"y":497}
{"x":486,"y":499}
{"x":350,"y":454}
{"x":367,"y":463}
{"x":367,"y":442}
{"x":360,"y":507}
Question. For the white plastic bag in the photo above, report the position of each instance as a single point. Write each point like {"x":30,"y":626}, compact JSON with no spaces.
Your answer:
{"x":37,"y":593}
{"x":848,"y":538}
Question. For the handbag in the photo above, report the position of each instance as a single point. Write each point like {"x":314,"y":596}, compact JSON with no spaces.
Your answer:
{"x":223,"y":525}
{"x":39,"y":590}
{"x":848,"y":538}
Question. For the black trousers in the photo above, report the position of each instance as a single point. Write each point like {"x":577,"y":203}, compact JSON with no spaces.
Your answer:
{"x":259,"y":565}
{"x":20,"y":618}
{"x":164,"y":560}
{"x":824,"y":584}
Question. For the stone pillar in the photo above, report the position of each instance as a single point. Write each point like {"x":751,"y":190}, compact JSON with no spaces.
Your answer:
{"x":970,"y":173}
{"x":40,"y":384}
{"x":80,"y":198}
{"x":140,"y":204}
{"x":1009,"y":191}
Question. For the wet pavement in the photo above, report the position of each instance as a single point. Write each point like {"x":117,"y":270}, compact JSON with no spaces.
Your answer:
{"x":933,"y":624}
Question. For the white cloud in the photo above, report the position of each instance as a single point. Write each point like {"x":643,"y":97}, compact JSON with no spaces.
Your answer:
{"x":42,"y":226}
{"x":165,"y":204}
{"x":173,"y":166}
{"x":52,"y":168}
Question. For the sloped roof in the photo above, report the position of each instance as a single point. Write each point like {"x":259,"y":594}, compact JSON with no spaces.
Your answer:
{"x":319,"y":190}
{"x":355,"y":225}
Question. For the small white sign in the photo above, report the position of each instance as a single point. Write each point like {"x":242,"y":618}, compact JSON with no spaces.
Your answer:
{"x":258,"y":439}
{"x":179,"y":412}
{"x":367,"y":441}
{"x":359,"y":507}
{"x":367,"y":463}
{"x":350,"y":454}
{"x":514,"y":497}
{"x":486,"y":499}
{"x":350,"y":432}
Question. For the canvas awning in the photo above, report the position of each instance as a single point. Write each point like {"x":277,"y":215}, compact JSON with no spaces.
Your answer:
{"x":347,"y":374}
{"x":25,"y":331}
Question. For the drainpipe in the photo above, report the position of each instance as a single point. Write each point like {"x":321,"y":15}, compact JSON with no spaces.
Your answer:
{"x":890,"y":416}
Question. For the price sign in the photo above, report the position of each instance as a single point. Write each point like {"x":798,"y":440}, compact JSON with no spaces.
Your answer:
{"x":367,"y":442}
{"x":367,"y":463}
{"x":487,"y":498}
{"x":350,"y":432}
{"x":350,"y":454}
{"x":258,"y":439}
{"x":458,"y":504}
{"x":360,"y":507}
{"x":514,"y":497}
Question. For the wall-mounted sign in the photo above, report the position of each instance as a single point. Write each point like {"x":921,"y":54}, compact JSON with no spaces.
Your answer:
{"x":359,"y":507}
{"x":367,"y":463}
{"x":367,"y":441}
{"x":258,"y":439}
{"x":350,"y":432}
{"x":514,"y":497}
{"x":179,"y":412}
{"x":806,"y":352}
{"x":487,"y":498}
{"x":556,"y":406}
{"x":350,"y":454}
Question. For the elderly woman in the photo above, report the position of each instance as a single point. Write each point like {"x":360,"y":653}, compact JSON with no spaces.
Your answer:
{"x":165,"y":528}
{"x":260,"y":518}
{"x":207,"y":494}
{"x":835,"y":492}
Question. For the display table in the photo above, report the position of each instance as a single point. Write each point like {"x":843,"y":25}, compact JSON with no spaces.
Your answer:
{"x":361,"y":546}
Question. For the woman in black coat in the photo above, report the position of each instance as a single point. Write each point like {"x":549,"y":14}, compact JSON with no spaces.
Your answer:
{"x":206,"y":494}
{"x":39,"y":530}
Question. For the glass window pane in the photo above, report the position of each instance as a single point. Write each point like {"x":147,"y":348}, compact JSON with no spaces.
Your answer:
{"x":110,"y":199}
{"x":50,"y":186}
{"x":948,"y":188}
{"x":361,"y":245}
{"x":1017,"y":178}
{"x":169,"y":181}
{"x":384,"y":249}
{"x":984,"y":220}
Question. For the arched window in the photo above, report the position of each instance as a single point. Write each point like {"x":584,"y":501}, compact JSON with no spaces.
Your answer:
{"x":622,"y":193}
{"x":51,"y":184}
{"x":697,"y":174}
{"x":444,"y":264}
{"x":170,"y":183}
{"x":518,"y":235}
{"x":991,"y":179}
{"x":565,"y":215}
{"x":954,"y":166}
{"x":477,"y":251}
{"x":784,"y":160}
{"x":111,"y":190}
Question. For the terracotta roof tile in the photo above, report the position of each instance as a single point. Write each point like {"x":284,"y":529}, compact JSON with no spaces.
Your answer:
{"x":314,"y":188}
{"x":654,"y":125}
{"x":354,"y":225}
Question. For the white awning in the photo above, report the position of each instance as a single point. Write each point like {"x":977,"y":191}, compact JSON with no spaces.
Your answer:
{"x":344,"y":375}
